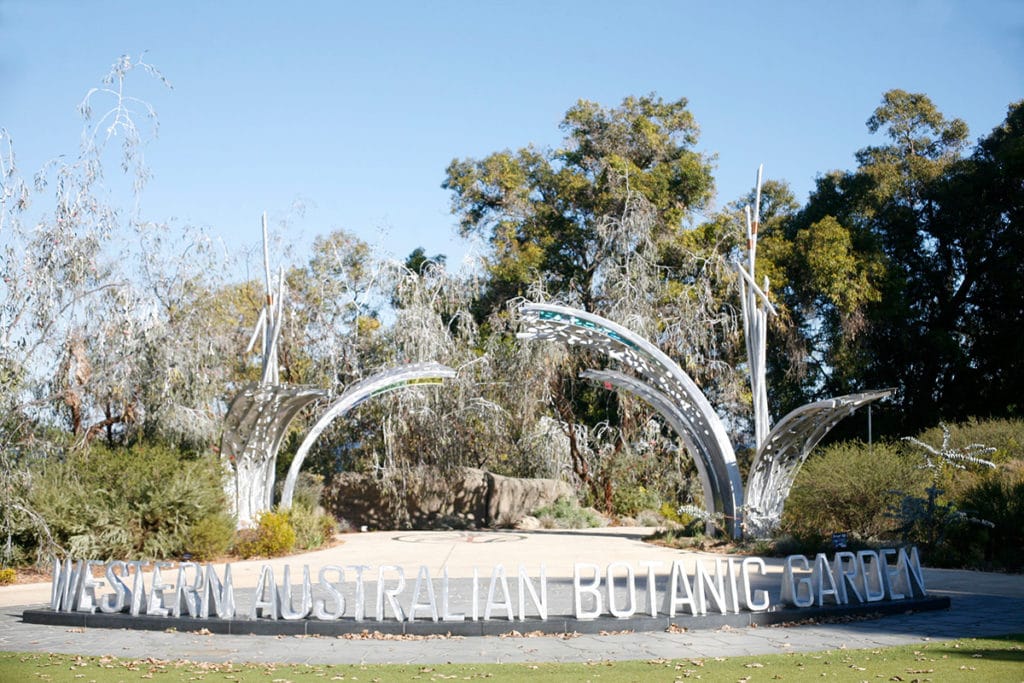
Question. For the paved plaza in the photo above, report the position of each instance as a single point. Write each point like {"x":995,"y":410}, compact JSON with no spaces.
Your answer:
{"x":982,"y":605}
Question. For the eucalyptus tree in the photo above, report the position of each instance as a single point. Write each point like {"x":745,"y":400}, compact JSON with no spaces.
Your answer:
{"x":60,"y":236}
{"x":600,"y":223}
{"x":981,"y":226}
{"x":901,"y":271}
{"x":546,"y":213}
{"x":333,"y":319}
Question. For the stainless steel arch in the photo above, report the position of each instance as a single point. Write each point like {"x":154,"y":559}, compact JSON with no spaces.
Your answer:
{"x":257,"y":420}
{"x":381,"y":383}
{"x":710,"y":476}
{"x":785,"y":450}
{"x":575,"y":327}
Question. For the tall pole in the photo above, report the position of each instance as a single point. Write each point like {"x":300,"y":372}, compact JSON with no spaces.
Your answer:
{"x":870,"y":447}
{"x":755,"y":308}
{"x":269,"y":322}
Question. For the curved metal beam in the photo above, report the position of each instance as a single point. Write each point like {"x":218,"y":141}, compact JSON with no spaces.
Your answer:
{"x":785,"y":450}
{"x":710,"y":475}
{"x":381,"y":383}
{"x":575,"y":327}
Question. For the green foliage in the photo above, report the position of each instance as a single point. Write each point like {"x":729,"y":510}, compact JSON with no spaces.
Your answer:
{"x":929,"y":520}
{"x":674,"y":515}
{"x":541,"y":210}
{"x":1006,"y":436}
{"x":309,"y":488}
{"x":905,"y":271}
{"x":850,"y":487}
{"x":211,"y":537}
{"x":138,"y":502}
{"x":979,"y":521}
{"x":629,"y":501}
{"x":833,"y":271}
{"x":999,"y":499}
{"x":313,"y":528}
{"x":987,"y":659}
{"x":566,"y":513}
{"x":958,"y":512}
{"x":273,"y":536}
{"x":804,"y":542}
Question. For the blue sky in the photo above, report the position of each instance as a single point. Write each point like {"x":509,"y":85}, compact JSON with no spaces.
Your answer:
{"x":354,"y":110}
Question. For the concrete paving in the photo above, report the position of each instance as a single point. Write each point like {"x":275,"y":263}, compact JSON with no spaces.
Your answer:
{"x":982,"y":605}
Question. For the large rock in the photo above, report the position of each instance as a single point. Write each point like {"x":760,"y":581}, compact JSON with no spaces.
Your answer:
{"x":513,"y":499}
{"x":456,"y":499}
{"x":426,"y":498}
{"x":360,"y":500}
{"x":528,"y":523}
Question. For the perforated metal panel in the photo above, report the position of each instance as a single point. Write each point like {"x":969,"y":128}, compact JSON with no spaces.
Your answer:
{"x":254,"y":427}
{"x":784,"y":451}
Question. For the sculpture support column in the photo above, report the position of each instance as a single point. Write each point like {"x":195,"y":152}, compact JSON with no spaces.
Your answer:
{"x":254,"y":427}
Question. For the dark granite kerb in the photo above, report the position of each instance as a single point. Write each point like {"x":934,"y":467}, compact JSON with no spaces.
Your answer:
{"x":555,"y":624}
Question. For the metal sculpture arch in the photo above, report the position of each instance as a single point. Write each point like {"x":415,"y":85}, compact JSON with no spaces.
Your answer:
{"x":259,"y":416}
{"x":786,"y":448}
{"x":670,"y":391}
{"x":664,"y":379}
{"x":709,"y":474}
{"x":381,"y":383}
{"x":257,"y":421}
{"x":260,"y":413}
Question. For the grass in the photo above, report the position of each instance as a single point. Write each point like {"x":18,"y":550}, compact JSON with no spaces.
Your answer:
{"x":980,"y":659}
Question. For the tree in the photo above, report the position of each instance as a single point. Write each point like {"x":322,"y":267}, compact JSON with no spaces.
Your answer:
{"x":545,"y":212}
{"x":591,"y":224}
{"x":333,"y":313}
{"x":898,"y":270}
{"x":979,"y":230}
{"x":59,"y":267}
{"x":417,"y":261}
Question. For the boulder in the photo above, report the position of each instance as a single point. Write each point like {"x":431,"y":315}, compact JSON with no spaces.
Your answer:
{"x":360,"y":500}
{"x":428,"y":498}
{"x":512,"y":499}
{"x":528,"y":523}
{"x":453,"y":499}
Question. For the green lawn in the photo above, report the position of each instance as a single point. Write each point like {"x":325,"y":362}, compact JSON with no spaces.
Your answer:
{"x":980,"y":659}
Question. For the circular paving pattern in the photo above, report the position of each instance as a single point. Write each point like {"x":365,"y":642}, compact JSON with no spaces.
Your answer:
{"x":459,"y":537}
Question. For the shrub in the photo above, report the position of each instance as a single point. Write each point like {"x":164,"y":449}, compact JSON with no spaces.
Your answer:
{"x":849,"y":487}
{"x":309,"y":488}
{"x":945,"y":523}
{"x":312,"y":528}
{"x":139,"y":502}
{"x":211,"y":537}
{"x":999,"y":499}
{"x":273,"y":536}
{"x":1006,"y":436}
{"x":672,"y":514}
{"x":7,"y":576}
{"x":650,"y":518}
{"x":628,"y":501}
{"x":678,"y":538}
{"x":566,"y":513}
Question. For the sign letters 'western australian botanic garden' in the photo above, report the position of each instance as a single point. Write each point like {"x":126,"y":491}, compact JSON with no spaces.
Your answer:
{"x":690,"y":588}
